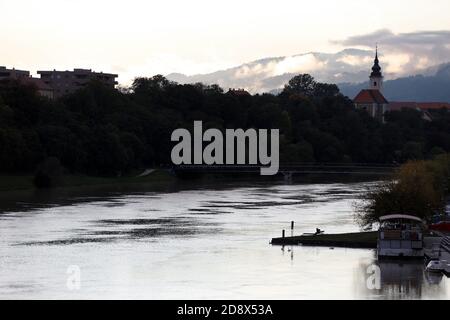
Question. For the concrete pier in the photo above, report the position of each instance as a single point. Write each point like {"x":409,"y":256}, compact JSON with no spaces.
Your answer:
{"x":362,"y":240}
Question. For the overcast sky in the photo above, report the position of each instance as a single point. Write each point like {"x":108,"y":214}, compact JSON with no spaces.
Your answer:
{"x":148,"y":37}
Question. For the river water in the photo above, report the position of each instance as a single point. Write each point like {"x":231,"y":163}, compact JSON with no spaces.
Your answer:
{"x":202,"y":243}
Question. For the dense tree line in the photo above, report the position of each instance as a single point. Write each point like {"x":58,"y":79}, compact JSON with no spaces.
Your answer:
{"x":102,"y":131}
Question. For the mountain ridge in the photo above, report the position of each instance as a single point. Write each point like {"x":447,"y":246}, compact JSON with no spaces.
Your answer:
{"x":432,"y":86}
{"x":348,"y":68}
{"x":266,"y":74}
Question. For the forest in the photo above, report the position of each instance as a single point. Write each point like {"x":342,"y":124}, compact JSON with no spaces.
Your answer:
{"x":102,"y":131}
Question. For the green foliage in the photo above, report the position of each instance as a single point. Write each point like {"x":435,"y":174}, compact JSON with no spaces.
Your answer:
{"x":48,"y":174}
{"x":412,"y":150}
{"x":305,"y":85}
{"x":101,"y":131}
{"x":419,"y":188}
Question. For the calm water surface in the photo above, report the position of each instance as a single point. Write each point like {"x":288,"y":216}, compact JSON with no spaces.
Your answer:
{"x":197,"y":244}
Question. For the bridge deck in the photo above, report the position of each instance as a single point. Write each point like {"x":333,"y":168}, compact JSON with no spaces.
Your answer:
{"x":375,"y":169}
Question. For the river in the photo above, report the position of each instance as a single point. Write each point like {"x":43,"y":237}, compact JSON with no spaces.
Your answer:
{"x":197,"y":243}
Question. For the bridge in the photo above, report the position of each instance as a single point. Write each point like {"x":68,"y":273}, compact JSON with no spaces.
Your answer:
{"x":287,"y":170}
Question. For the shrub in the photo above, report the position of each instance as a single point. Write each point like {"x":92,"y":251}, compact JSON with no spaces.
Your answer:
{"x":418,"y":188}
{"x":48,"y":174}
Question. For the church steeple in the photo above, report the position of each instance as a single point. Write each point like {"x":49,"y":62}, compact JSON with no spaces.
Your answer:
{"x":376,"y":77}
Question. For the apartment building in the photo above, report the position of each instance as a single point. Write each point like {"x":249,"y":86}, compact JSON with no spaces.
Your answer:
{"x":23,"y":77}
{"x":65,"y":82}
{"x":13,"y":74}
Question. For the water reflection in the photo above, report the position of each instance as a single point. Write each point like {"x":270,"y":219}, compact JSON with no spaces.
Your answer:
{"x":393,"y":279}
{"x":289,"y":250}
{"x":110,"y":230}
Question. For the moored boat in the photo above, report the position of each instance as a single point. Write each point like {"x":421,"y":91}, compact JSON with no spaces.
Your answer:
{"x":441,"y":223}
{"x":437,"y":266}
{"x":400,"y":236}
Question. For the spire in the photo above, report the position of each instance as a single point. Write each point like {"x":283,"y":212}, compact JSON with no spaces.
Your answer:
{"x":376,"y":69}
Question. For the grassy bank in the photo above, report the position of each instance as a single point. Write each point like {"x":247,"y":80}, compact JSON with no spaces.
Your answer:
{"x":16,"y":182}
{"x":25,"y":182}
{"x":161,"y":177}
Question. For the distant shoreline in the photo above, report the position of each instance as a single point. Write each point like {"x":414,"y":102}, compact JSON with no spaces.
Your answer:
{"x":24,"y":182}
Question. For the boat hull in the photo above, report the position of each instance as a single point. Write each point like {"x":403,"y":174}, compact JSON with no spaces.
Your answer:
{"x":400,"y":253}
{"x":441,"y":226}
{"x":400,"y":248}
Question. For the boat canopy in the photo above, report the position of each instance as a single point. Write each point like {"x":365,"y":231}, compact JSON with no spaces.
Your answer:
{"x":400,"y":216}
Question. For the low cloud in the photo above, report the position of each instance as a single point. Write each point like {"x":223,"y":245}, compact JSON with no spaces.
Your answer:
{"x":416,"y":50}
{"x":279,"y":66}
{"x":305,"y":63}
{"x":401,"y":54}
{"x":388,"y":38}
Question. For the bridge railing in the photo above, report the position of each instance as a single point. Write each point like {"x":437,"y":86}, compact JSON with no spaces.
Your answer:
{"x":374,"y":168}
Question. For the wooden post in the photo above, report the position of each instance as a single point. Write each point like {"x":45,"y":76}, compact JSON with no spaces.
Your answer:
{"x":292,"y":225}
{"x":284,"y":233}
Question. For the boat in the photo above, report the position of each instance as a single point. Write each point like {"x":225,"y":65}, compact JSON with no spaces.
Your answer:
{"x":317,"y":233}
{"x":441,"y":226}
{"x":434,"y":277}
{"x":313,"y":234}
{"x":437,"y":266}
{"x":400,"y":236}
{"x":441,"y":223}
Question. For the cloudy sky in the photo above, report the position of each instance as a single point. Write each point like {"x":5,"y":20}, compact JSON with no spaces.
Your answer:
{"x":148,"y":37}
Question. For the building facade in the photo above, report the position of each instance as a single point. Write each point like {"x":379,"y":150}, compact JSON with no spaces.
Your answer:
{"x":428,"y":109}
{"x":43,"y":89}
{"x":24,"y":78}
{"x":372,"y":99}
{"x":373,"y":102}
{"x":13,"y":74}
{"x":65,"y":82}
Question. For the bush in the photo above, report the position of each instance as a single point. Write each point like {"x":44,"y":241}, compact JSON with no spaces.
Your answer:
{"x":48,"y":174}
{"x":419,"y":188}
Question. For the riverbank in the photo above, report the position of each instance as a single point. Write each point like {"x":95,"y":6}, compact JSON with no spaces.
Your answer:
{"x":25,"y":182}
{"x":17,"y":192}
{"x":163,"y":177}
{"x":361,"y":240}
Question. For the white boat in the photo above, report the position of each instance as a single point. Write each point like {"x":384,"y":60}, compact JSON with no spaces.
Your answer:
{"x":400,"y":236}
{"x":436,"y":266}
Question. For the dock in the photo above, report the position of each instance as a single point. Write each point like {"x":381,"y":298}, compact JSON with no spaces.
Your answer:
{"x":361,"y":240}
{"x":438,"y":248}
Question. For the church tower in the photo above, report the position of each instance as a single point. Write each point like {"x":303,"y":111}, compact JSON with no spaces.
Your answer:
{"x":372,"y":99}
{"x":376,"y":77}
